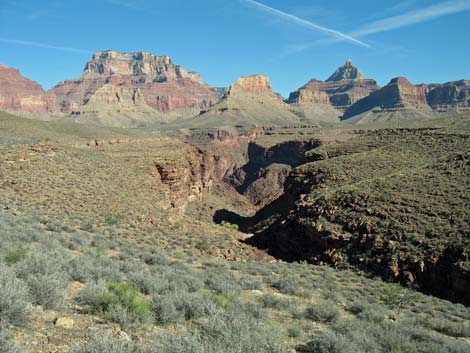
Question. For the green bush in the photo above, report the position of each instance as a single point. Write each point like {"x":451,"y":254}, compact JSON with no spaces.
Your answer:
{"x":230,"y":225}
{"x":396,"y":297}
{"x":324,"y":312}
{"x":294,"y":331}
{"x":15,"y":255}
{"x":118,"y":301}
{"x":15,"y":304}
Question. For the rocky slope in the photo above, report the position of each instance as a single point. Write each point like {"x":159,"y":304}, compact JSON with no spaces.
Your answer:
{"x":383,"y":202}
{"x":327,"y":100}
{"x":138,"y":83}
{"x":20,"y":94}
{"x":397,"y":101}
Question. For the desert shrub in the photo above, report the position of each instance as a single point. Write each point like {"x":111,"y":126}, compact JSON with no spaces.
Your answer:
{"x":288,"y":284}
{"x":181,"y":306}
{"x":275,"y":302}
{"x":370,"y":312}
{"x":325,"y":312}
{"x":15,"y":304}
{"x":386,"y":337}
{"x":294,"y":331}
{"x":88,"y":295}
{"x":111,"y":220}
{"x":449,"y":328}
{"x":12,"y":256}
{"x":228,"y":332}
{"x":93,"y":266}
{"x":108,"y":344}
{"x":170,"y":280}
{"x":329,"y":342}
{"x":117,"y":301}
{"x":254,"y":310}
{"x":396,"y":297}
{"x":7,"y":345}
{"x":144,"y":281}
{"x":222,"y":282}
{"x":43,"y":270}
{"x":249,"y":282}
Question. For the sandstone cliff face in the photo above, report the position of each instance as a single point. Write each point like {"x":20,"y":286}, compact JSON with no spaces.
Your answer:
{"x":449,"y":96}
{"x":164,"y":86}
{"x":398,"y":95}
{"x":18,"y":93}
{"x":255,"y":84}
{"x":186,"y":178}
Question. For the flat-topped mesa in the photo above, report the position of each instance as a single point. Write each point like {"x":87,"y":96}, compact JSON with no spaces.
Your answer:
{"x":346,"y":72}
{"x":398,"y":95}
{"x":18,"y":93}
{"x":253,"y":84}
{"x":158,"y":68}
{"x":164,"y":86}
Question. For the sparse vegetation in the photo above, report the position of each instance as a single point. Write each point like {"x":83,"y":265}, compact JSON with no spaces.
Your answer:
{"x":145,"y":284}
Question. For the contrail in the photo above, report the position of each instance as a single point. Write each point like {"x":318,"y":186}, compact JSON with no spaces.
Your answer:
{"x":43,"y":45}
{"x":305,"y":23}
{"x":413,"y":17}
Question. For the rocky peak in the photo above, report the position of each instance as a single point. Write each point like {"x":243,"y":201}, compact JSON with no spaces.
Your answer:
{"x":346,"y":72}
{"x":254,"y":84}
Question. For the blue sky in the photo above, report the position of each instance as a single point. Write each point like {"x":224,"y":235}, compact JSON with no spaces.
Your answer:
{"x":289,"y":40}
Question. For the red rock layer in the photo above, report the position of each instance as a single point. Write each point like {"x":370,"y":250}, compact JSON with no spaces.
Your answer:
{"x":165,"y":86}
{"x":17,"y":93}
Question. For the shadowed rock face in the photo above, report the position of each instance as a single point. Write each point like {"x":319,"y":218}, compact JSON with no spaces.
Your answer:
{"x":18,"y":93}
{"x":398,"y":95}
{"x":165,"y":87}
{"x":449,"y":96}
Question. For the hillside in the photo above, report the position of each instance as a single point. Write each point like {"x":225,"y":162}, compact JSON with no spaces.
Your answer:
{"x":392,"y":202}
{"x":101,"y":249}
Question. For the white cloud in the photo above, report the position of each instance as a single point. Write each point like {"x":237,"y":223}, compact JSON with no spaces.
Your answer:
{"x":304,"y":23}
{"x":413,"y":17}
{"x":43,"y":45}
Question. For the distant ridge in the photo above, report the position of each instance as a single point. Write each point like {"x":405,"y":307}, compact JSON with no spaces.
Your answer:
{"x":143,"y":90}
